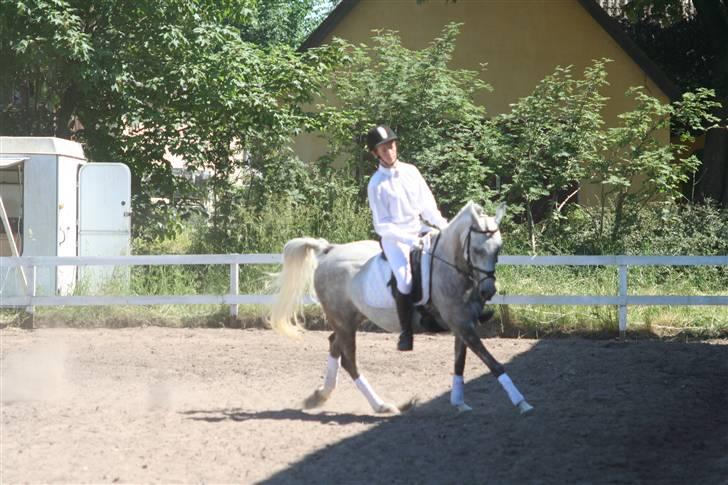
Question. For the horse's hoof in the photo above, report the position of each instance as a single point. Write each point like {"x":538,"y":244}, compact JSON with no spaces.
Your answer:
{"x":486,"y":315}
{"x":387,"y":409}
{"x":405,"y":343}
{"x":463,"y":408}
{"x":409,"y":405}
{"x":524,"y":407}
{"x":316,"y":399}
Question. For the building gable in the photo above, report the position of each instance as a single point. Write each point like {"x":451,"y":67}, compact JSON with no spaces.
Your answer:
{"x":328,"y":28}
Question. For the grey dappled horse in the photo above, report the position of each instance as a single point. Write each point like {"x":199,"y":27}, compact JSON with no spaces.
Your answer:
{"x":463,"y":275}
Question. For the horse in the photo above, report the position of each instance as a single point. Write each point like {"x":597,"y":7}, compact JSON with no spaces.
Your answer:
{"x":462,"y":278}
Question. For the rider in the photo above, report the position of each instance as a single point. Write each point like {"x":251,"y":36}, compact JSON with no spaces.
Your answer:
{"x":400,"y":201}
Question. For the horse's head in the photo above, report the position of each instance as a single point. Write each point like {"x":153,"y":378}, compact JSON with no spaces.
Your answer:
{"x":481,"y":242}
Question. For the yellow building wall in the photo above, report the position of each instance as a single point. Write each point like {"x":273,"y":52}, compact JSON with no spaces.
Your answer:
{"x":522,"y":41}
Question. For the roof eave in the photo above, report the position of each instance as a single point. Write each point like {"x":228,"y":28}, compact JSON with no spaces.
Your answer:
{"x":317,"y":37}
{"x":670,"y":89}
{"x":632,"y":49}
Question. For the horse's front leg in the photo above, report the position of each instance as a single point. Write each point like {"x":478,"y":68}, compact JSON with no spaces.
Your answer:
{"x":457,"y":394}
{"x":466,"y":332}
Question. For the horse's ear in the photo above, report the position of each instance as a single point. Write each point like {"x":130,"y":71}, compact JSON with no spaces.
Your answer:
{"x":500,"y":212}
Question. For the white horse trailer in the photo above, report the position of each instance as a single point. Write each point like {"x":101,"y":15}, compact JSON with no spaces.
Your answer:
{"x":54,"y":203}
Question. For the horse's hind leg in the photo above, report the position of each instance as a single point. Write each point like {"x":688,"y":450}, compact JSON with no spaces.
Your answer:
{"x":346,"y":341}
{"x":322,"y":394}
{"x":470,"y":337}
{"x":457,"y":394}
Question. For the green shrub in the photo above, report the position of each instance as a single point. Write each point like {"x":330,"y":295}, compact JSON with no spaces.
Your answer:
{"x":430,"y":106}
{"x":329,"y":207}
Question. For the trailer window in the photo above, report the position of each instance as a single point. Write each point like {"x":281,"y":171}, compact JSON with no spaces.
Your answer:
{"x":11,"y":192}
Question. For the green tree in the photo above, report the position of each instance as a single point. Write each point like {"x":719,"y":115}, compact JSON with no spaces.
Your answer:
{"x":135,"y":81}
{"x":694,"y":51}
{"x":706,"y":64}
{"x":284,"y":22}
{"x":549,"y":141}
{"x":544,"y":150}
{"x":431,"y":108}
{"x":635,"y":168}
{"x":554,"y":141}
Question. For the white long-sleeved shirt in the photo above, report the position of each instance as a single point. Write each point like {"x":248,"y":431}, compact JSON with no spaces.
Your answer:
{"x":398,"y":197}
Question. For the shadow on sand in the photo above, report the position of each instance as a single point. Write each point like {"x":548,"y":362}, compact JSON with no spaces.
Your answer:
{"x":217,"y":415}
{"x":606,"y":412}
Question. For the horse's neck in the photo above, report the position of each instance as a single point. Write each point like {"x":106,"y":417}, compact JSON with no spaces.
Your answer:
{"x":446,"y":277}
{"x":452,"y":237}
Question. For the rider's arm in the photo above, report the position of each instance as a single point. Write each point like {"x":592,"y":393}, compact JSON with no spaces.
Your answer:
{"x":383,"y":223}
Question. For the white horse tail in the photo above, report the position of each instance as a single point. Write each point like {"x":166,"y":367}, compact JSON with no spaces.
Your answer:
{"x":300,"y":258}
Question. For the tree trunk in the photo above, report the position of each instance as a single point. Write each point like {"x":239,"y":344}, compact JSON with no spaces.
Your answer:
{"x":618,"y":215}
{"x":531,"y":226}
{"x":713,"y":16}
{"x":714,"y":179}
{"x":66,"y":110}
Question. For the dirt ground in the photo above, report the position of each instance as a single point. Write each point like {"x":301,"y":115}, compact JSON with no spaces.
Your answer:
{"x":160,"y":405}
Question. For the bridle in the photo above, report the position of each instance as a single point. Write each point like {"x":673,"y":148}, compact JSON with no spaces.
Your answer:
{"x":472,"y":270}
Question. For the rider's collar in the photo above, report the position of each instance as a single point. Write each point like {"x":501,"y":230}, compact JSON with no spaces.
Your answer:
{"x":389,"y":171}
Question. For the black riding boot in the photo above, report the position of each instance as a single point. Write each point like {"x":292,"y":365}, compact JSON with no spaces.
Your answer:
{"x":405,"y":309}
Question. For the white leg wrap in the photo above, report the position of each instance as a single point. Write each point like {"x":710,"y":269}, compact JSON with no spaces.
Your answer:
{"x":332,"y":374}
{"x":515,"y":396}
{"x":374,"y":401}
{"x":457,"y":394}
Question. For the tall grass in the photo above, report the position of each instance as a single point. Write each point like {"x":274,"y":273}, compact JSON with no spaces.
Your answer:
{"x":663,"y":229}
{"x":264,"y":231}
{"x":538,"y":320}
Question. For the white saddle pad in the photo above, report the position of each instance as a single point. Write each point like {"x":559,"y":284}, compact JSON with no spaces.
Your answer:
{"x":377,"y":273}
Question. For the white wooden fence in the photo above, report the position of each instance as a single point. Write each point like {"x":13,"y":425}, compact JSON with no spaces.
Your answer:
{"x":622,"y":299}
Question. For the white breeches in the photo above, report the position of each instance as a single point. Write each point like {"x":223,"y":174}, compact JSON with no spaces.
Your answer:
{"x":397,"y":254}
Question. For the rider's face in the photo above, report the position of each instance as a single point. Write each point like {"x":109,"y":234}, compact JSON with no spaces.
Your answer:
{"x":386,"y":153}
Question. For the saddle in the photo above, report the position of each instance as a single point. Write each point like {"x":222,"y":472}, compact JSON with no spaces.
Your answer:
{"x":415,"y":258}
{"x":428,"y":322}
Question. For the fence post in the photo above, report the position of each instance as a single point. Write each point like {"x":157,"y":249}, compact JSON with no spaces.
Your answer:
{"x":234,"y":289}
{"x":623,"y":300}
{"x":27,"y":318}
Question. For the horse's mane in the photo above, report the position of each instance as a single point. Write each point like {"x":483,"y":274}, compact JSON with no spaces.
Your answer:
{"x":469,"y":214}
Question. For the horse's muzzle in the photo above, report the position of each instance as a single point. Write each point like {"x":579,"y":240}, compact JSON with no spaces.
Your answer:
{"x":487,"y":289}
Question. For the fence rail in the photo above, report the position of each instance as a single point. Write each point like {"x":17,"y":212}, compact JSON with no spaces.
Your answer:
{"x":622,"y":299}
